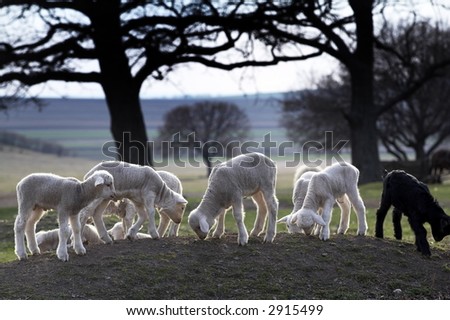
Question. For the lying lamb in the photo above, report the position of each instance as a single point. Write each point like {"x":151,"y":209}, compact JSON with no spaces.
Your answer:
{"x":39,"y":192}
{"x":251,"y":174}
{"x":304,"y":175}
{"x":145,"y":188}
{"x":413,"y":198}
{"x":331,"y":184}
{"x":48,"y":240}
{"x":117,"y":232}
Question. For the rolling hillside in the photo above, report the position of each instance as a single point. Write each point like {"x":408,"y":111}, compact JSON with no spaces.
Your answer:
{"x":82,"y":125}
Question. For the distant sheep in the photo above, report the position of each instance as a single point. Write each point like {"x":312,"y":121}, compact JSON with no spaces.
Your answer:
{"x":250,"y":174}
{"x":145,"y":188}
{"x":440,"y":161}
{"x":331,"y":184}
{"x":412,"y":198}
{"x":39,"y":192}
{"x":48,"y":240}
{"x":302,"y":178}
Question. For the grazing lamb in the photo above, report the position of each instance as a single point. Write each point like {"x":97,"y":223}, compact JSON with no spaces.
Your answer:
{"x":39,"y":192}
{"x":413,"y":198}
{"x":166,"y":225}
{"x":251,"y":174}
{"x":145,"y":188}
{"x":48,"y":240}
{"x":117,"y":232}
{"x":304,"y":175}
{"x":126,"y":210}
{"x":325,"y":187}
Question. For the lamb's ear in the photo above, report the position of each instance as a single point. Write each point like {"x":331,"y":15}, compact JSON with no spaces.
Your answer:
{"x":204,"y":226}
{"x":294,"y":219}
{"x":180,"y":199}
{"x":284,"y":219}
{"x":99,"y":180}
{"x":319,"y":220}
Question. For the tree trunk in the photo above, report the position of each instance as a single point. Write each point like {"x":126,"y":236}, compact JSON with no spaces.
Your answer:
{"x":121,"y":91}
{"x":206,"y":160}
{"x":363,"y":115}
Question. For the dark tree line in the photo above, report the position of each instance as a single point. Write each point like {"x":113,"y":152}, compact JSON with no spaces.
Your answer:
{"x":132,"y":41}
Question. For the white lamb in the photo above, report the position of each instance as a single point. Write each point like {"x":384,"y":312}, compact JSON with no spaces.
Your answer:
{"x":126,"y":210}
{"x":145,"y":188}
{"x":324,"y":189}
{"x":302,"y":178}
{"x":39,"y":192}
{"x":251,"y":174}
{"x":166,"y":225}
{"x":48,"y":240}
{"x":117,"y":232}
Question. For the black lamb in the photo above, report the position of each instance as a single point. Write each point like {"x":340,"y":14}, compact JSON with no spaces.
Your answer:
{"x":413,"y":198}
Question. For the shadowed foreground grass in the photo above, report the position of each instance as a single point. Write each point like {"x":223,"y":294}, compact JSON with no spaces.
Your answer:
{"x":293,"y":267}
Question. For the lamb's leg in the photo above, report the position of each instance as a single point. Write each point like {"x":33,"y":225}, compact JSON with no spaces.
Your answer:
{"x":127,"y":220}
{"x":30,"y":230}
{"x":272,"y":207}
{"x":346,"y":207}
{"x":327,"y":211}
{"x":19,"y":233}
{"x":421,"y":237}
{"x":261,"y":214}
{"x":396,"y":221}
{"x":219,"y":231}
{"x":76,"y":231}
{"x":382,"y":211}
{"x":142,"y":216}
{"x":318,"y":228}
{"x":238,"y":213}
{"x":174,"y":228}
{"x":359,"y":208}
{"x":150,"y":207}
{"x":99,"y":223}
{"x":64,"y":234}
{"x":164,"y":221}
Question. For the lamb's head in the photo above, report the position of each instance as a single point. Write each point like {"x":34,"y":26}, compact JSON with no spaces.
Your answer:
{"x":306,"y":219}
{"x":200,"y":223}
{"x":174,"y":207}
{"x":292,"y":227}
{"x":104,"y":184}
{"x":441,"y":228}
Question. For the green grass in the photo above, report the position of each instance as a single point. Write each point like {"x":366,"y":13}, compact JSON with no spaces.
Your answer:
{"x":370,"y":194}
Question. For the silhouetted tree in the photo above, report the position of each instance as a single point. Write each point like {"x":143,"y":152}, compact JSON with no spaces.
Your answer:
{"x":206,"y":127}
{"x":420,"y":121}
{"x":118,"y":45}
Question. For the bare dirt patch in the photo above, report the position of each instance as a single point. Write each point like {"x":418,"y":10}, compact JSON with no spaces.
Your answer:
{"x":293,"y":267}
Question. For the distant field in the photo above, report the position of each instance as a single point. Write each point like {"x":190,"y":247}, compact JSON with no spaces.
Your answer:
{"x":82,"y":125}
